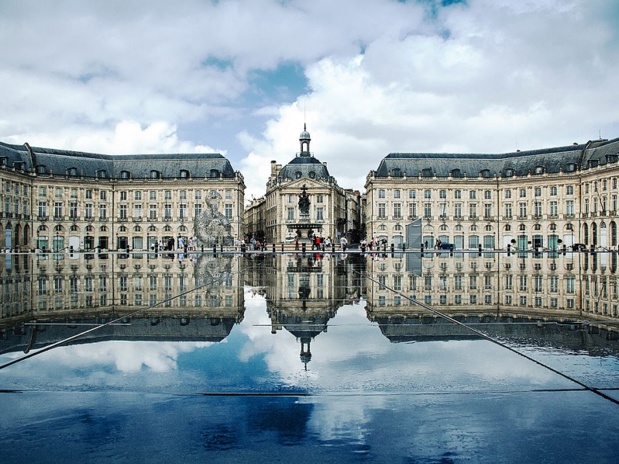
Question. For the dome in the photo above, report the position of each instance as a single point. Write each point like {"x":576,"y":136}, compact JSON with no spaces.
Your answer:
{"x":305,"y":135}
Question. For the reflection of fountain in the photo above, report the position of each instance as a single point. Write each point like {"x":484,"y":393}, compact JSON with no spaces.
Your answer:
{"x":213,"y":228}
{"x":307,"y":299}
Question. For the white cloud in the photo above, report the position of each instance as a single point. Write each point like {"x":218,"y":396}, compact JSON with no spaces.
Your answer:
{"x":485,"y":76}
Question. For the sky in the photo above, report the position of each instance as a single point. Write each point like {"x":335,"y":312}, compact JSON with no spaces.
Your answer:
{"x":368,"y":77}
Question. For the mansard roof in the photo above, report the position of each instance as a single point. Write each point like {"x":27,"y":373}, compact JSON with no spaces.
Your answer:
{"x":304,"y":167}
{"x":519,"y":163}
{"x":82,"y":164}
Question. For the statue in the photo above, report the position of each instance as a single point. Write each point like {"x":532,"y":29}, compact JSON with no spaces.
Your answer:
{"x":304,"y":202}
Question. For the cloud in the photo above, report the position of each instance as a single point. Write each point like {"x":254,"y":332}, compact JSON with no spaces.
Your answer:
{"x":369,"y":77}
{"x":482,"y":77}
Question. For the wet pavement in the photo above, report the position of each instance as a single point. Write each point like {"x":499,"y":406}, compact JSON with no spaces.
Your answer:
{"x":273,"y":357}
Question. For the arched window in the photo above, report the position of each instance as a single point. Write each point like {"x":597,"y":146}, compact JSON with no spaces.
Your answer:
{"x":184,"y":174}
{"x":539,"y":169}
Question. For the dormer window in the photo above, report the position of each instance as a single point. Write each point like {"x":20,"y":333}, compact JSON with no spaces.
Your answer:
{"x":397,"y":172}
{"x":155,"y":174}
{"x":184,"y":174}
{"x":312,"y":174}
{"x":3,"y":161}
{"x":298,"y":174}
{"x":593,"y":163}
{"x":427,"y":172}
{"x":72,"y":172}
{"x":41,"y":169}
{"x":571,"y":167}
{"x":485,"y":173}
{"x":214,"y":173}
{"x":101,"y":174}
{"x":125,"y":175}
{"x":539,"y":169}
{"x":509,"y":173}
{"x":456,"y":173}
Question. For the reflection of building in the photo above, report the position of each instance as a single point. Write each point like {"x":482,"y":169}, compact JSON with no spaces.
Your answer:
{"x":570,"y":286}
{"x":57,"y":199}
{"x":541,"y":198}
{"x":304,"y":291}
{"x":191,"y":293}
{"x":331,"y":211}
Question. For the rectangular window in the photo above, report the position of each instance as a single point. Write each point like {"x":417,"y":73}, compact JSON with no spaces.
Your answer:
{"x":58,"y":210}
{"x":381,"y":193}
{"x":427,"y":210}
{"x":397,"y":210}
{"x":122,"y":212}
{"x":182,"y":211}
{"x":152,"y":195}
{"x":381,"y":210}
{"x":458,"y":210}
{"x":197,"y":209}
{"x":319,"y":214}
{"x":396,"y":194}
{"x":228,"y":211}
{"x":137,"y":211}
{"x":152,"y":211}
{"x":412,"y":194}
{"x":103,"y":211}
{"x":290,"y":214}
{"x":167,"y":211}
{"x":472,"y":210}
{"x":137,"y":195}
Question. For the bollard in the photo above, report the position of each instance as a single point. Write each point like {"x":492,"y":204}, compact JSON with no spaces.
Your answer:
{"x":221,"y":248}
{"x":479,"y":252}
{"x":282,"y":247}
{"x":509,"y":249}
{"x":451,"y":250}
{"x":202,"y":247}
{"x":392,"y":248}
{"x":274,"y":248}
{"x":303,"y":247}
{"x":592,"y":249}
{"x":214,"y":250}
{"x":564,"y":249}
{"x":332,"y":247}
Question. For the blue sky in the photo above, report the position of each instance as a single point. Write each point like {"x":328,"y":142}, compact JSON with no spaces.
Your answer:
{"x":369,"y":77}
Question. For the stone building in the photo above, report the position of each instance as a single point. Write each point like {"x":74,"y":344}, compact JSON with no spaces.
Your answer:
{"x":531,"y":199}
{"x":61,"y":200}
{"x":303,"y":200}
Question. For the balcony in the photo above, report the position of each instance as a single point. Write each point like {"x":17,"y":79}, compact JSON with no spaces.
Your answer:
{"x":122,"y":219}
{"x":136,"y":219}
{"x":42,"y":218}
{"x":103,"y":219}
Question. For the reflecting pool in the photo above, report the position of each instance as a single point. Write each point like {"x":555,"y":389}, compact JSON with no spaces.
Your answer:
{"x":270,"y":357}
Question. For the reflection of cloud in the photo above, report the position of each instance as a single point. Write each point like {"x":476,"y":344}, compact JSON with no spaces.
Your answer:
{"x":353,"y":356}
{"x":125,"y":356}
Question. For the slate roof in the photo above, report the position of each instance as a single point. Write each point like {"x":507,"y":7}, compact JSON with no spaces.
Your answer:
{"x":521,"y":163}
{"x":58,"y":162}
{"x":304,"y":167}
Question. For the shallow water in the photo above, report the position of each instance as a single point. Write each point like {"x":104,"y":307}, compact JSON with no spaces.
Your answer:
{"x":274,"y":357}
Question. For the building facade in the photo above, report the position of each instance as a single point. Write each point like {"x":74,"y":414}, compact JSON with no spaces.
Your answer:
{"x":281,"y":216}
{"x":535,"y":199}
{"x":61,"y":200}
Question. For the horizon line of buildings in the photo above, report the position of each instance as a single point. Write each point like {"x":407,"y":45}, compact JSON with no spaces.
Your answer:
{"x":59,"y":200}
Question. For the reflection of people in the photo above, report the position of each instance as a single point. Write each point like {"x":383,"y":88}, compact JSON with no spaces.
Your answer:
{"x":343,"y":243}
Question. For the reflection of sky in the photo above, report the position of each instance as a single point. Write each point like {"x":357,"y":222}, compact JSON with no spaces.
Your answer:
{"x":370,"y":400}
